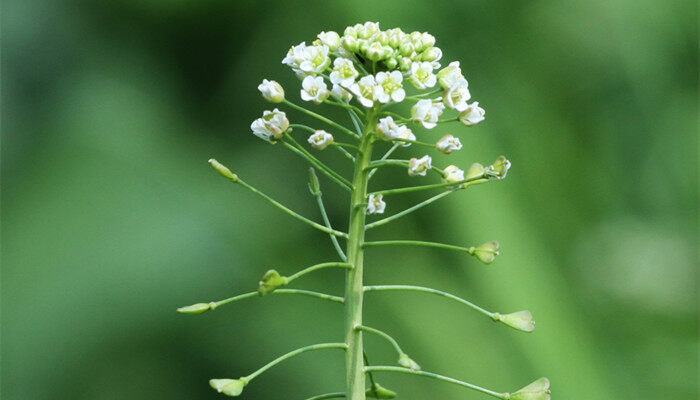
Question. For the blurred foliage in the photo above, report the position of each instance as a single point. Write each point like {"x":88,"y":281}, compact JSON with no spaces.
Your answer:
{"x":112,"y":218}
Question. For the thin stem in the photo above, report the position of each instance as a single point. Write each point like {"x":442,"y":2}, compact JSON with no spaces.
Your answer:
{"x":290,"y":212}
{"x":348,"y":145}
{"x":278,"y":291}
{"x":382,"y":368}
{"x":356,"y":121}
{"x":442,"y":121}
{"x":426,"y":187}
{"x":431,"y":291}
{"x":395,"y":115}
{"x":335,"y":395}
{"x":432,"y":146}
{"x":317,"y":165}
{"x":407,"y":211}
{"x":317,"y":161}
{"x":317,"y":267}
{"x":306,"y":127}
{"x":319,"y":200}
{"x":417,"y":243}
{"x":371,"y":377}
{"x":347,"y":106}
{"x":322,"y":118}
{"x":294,"y":353}
{"x":384,"y":157}
{"x":400,"y":163}
{"x":383,"y":335}
{"x":340,"y":148}
{"x":432,"y":92}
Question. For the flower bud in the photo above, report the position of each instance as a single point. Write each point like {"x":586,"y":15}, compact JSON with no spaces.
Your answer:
{"x":406,"y":362}
{"x":499,"y":168}
{"x":472,"y":115}
{"x":222,"y":170}
{"x":537,"y":390}
{"x":382,"y":38}
{"x":395,"y":39}
{"x":368,"y":30}
{"x":521,"y":320}
{"x":270,"y":282}
{"x":406,"y":49}
{"x":486,"y":253}
{"x":350,"y":31}
{"x":431,"y":54}
{"x":453,"y":174}
{"x":197,"y":308}
{"x":427,"y":39}
{"x":330,"y":39}
{"x":271,"y":91}
{"x":447,"y":144}
{"x":320,"y":139}
{"x":350,"y":43}
{"x":378,"y":391}
{"x":229,"y":387}
{"x":391,"y":63}
{"x":419,"y":166}
{"x":376,"y":51}
{"x":449,"y":75}
{"x":415,"y":36}
{"x":405,"y":64}
{"x":314,"y":185}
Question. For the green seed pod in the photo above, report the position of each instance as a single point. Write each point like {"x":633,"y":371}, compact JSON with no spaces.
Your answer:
{"x":270,"y":282}
{"x":196,"y":308}
{"x":486,"y":253}
{"x":314,"y":185}
{"x":406,"y":362}
{"x":476,"y":170}
{"x":221,"y":169}
{"x":537,"y":390}
{"x":499,"y":168}
{"x":229,"y":387}
{"x":377,"y":391}
{"x":521,"y":320}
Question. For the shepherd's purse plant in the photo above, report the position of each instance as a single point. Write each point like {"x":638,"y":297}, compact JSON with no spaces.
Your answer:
{"x":366,"y":71}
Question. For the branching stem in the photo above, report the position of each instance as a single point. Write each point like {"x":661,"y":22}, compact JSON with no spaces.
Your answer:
{"x":321,"y":118}
{"x":383,"y":335}
{"x":317,"y":267}
{"x":431,"y":291}
{"x":292,"y":354}
{"x":278,"y":291}
{"x":408,"y":210}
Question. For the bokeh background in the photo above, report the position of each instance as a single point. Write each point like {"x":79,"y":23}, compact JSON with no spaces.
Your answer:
{"x":112,"y":218}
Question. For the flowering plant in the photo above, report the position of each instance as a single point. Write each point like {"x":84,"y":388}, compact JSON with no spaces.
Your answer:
{"x":366,"y":71}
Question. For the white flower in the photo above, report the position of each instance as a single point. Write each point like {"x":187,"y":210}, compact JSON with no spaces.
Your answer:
{"x":419,"y":166}
{"x":453,"y":174}
{"x":295,"y":56}
{"x":391,"y":85}
{"x":427,"y":113}
{"x":405,"y":133}
{"x":341,"y":93}
{"x":432,"y":55}
{"x":320,"y":139}
{"x":330,"y":39}
{"x":422,"y":75}
{"x":314,"y":89}
{"x":457,"y":95}
{"x":472,"y":115}
{"x":376,"y":51}
{"x":271,"y":91}
{"x":499,"y":168}
{"x":271,"y":126}
{"x":344,"y":72}
{"x":308,"y":60}
{"x":449,"y":75}
{"x":368,"y":29}
{"x":447,"y":144}
{"x":365,"y":90}
{"x":375,"y":204}
{"x":387,"y":129}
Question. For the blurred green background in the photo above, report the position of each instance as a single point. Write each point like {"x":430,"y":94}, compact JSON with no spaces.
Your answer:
{"x":112,"y":218}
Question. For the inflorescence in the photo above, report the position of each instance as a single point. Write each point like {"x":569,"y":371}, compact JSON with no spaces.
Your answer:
{"x":365,"y":71}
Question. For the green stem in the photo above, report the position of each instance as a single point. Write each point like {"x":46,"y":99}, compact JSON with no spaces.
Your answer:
{"x":385,"y":156}
{"x":319,"y":200}
{"x":322,"y":118}
{"x":339,"y":147}
{"x":292,"y":354}
{"x":346,"y":106}
{"x":316,"y":161}
{"x":431,"y":291}
{"x":432,"y":146}
{"x":442,"y":121}
{"x":432,"y":92}
{"x":407,"y":211}
{"x":395,"y":115}
{"x":335,"y":395}
{"x":382,"y":368}
{"x":305,"y":127}
{"x":355,"y":377}
{"x":426,"y":187}
{"x":383,"y":335}
{"x":417,"y":243}
{"x":290,"y":212}
{"x":320,"y":167}
{"x":317,"y":267}
{"x":278,"y":291}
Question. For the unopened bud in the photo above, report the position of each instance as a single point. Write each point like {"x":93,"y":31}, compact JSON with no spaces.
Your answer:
{"x":270,"y":282}
{"x":391,"y":63}
{"x":537,"y":390}
{"x":431,"y":54}
{"x":314,"y":185}
{"x":229,"y":387}
{"x":486,"y":253}
{"x":221,"y":169}
{"x":521,"y":320}
{"x":350,"y":43}
{"x":197,"y":308}
{"x":406,"y":362}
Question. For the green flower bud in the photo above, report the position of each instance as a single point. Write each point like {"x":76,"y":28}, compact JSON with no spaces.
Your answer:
{"x":406,"y":362}
{"x":197,"y":308}
{"x":415,"y":36}
{"x":377,"y":391}
{"x":499,"y":168}
{"x":476,"y":170}
{"x":350,"y":43}
{"x":427,"y":39}
{"x":314,"y":185}
{"x":350,"y":31}
{"x":431,"y":54}
{"x":391,"y":63}
{"x":521,"y":320}
{"x":395,"y":40}
{"x":485,"y":253}
{"x":221,"y":169}
{"x":537,"y":390}
{"x":229,"y":387}
{"x":270,"y":282}
{"x":405,"y":64}
{"x":406,"y":49}
{"x":376,"y":51}
{"x":382,"y":38}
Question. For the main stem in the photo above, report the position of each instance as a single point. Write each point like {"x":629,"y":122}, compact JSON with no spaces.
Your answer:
{"x":355,"y":376}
